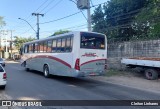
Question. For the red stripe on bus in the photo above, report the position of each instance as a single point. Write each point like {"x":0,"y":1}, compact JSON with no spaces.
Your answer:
{"x":54,"y":58}
{"x":93,"y":61}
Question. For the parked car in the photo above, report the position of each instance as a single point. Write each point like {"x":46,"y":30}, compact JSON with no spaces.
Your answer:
{"x":3,"y":77}
{"x":2,"y":62}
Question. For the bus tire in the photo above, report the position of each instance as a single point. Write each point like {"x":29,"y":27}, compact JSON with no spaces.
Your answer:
{"x":151,"y":74}
{"x":3,"y":87}
{"x":25,"y":64}
{"x":46,"y":71}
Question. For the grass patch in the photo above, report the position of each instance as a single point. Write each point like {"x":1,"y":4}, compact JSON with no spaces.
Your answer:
{"x":113,"y":72}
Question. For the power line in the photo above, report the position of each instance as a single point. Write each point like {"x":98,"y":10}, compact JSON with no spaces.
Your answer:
{"x":53,"y":6}
{"x":67,"y":28}
{"x":70,"y":15}
{"x":47,"y":6}
{"x":61,"y":18}
{"x":41,"y":5}
{"x":31,"y":15}
{"x":91,"y":2}
{"x":65,"y":16}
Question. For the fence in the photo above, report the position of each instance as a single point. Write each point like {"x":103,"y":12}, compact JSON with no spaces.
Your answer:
{"x":127,"y":49}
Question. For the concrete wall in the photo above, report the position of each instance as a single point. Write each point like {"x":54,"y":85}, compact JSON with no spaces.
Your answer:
{"x":117,"y":51}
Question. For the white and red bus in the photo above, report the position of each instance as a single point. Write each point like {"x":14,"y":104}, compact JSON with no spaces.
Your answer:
{"x":72,"y":54}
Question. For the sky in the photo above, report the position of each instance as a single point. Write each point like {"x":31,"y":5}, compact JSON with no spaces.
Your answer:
{"x":11,"y":10}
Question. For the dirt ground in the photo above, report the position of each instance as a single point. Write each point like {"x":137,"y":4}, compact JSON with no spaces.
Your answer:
{"x":132,"y":79}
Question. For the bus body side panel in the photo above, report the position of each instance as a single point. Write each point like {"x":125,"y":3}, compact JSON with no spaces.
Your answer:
{"x":58,"y":63}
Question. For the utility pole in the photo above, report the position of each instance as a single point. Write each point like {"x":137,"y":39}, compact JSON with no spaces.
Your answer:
{"x":37,"y":14}
{"x":11,"y":44}
{"x":85,"y":4}
{"x":89,"y":16}
{"x":0,"y":44}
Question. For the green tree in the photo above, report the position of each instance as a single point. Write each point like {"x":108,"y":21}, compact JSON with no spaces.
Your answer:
{"x":98,"y":20}
{"x":147,"y":22}
{"x":18,"y":42}
{"x":116,"y":17}
{"x":60,"y":32}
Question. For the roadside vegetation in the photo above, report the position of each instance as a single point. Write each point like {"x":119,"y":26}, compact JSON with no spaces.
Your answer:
{"x":128,"y":19}
{"x":126,"y":72}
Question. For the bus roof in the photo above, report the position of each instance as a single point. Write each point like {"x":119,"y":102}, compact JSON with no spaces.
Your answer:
{"x":60,"y":35}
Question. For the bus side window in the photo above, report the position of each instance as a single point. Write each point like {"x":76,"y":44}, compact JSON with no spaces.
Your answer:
{"x":59,"y":45}
{"x":54,"y":46}
{"x":41,"y":47}
{"x":63,"y":49}
{"x":33,"y":48}
{"x":36,"y":47}
{"x":27,"y":49}
{"x":45,"y":47}
{"x":49,"y":46}
{"x":68,"y":44}
{"x":71,"y":44}
{"x":30,"y":48}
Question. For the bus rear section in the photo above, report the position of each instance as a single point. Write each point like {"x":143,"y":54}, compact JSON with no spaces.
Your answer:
{"x":92,"y":55}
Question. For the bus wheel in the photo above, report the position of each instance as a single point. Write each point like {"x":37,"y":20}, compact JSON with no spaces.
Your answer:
{"x":46,"y":71}
{"x":25,"y":65}
{"x":151,"y":74}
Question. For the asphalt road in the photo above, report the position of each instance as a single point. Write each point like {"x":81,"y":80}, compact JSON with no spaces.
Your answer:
{"x":23,"y":85}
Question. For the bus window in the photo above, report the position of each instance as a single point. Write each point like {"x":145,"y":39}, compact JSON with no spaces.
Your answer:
{"x":92,"y":41}
{"x":36,"y":47}
{"x":59,"y":45}
{"x":33,"y":48}
{"x":49,"y":46}
{"x":30,"y":48}
{"x":54,"y":46}
{"x":69,"y":44}
{"x":26,"y":48}
{"x":63,"y":45}
{"x":45,"y":47}
{"x":41,"y":44}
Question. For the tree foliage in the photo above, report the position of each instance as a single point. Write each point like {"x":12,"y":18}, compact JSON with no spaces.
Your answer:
{"x":18,"y":42}
{"x":127,"y":18}
{"x":148,"y":20}
{"x":60,"y":32}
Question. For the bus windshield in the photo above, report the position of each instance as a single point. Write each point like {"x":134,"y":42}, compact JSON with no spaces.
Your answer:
{"x":92,"y":41}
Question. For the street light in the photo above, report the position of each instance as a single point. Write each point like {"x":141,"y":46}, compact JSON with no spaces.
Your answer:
{"x":27,"y":23}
